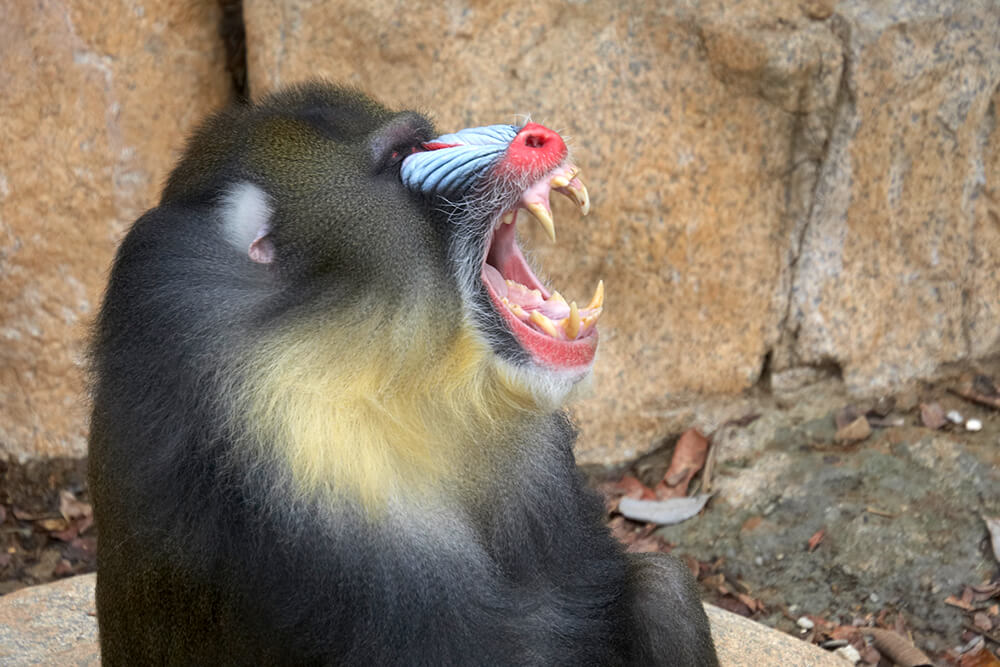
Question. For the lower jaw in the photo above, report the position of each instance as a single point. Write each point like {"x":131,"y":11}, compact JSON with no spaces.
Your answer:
{"x":573,"y":357}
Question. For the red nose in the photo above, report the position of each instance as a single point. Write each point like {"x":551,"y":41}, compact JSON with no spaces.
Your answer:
{"x":535,"y":149}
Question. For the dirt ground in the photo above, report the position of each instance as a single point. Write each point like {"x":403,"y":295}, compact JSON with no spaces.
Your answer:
{"x":810,"y":531}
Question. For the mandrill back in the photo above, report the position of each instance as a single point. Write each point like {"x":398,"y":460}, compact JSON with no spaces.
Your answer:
{"x":327,"y":424}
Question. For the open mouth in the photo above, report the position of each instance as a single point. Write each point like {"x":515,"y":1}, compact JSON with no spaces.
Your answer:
{"x":555,"y":332}
{"x":474,"y":164}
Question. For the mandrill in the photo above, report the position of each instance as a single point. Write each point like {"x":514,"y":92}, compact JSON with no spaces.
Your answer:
{"x":327,"y":422}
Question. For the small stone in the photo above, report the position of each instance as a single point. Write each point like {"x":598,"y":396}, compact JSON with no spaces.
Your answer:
{"x":849,"y":653}
{"x":805,"y":623}
{"x":973,"y":425}
{"x":883,"y":406}
{"x":818,"y":9}
{"x":874,"y":598}
{"x":907,"y":399}
{"x":955,"y":417}
{"x":931,"y":415}
{"x":857,"y":430}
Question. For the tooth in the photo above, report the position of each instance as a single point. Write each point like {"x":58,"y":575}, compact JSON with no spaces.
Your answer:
{"x":544,"y":323}
{"x":581,"y":196}
{"x":518,"y":311}
{"x":587,"y":323}
{"x":572,"y":323}
{"x":557,"y":297}
{"x":509,"y":217}
{"x":559,"y":181}
{"x":545,"y":218}
{"x":598,"y":299}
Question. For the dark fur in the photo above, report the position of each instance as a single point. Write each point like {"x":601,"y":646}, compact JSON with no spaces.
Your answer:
{"x":204,"y":559}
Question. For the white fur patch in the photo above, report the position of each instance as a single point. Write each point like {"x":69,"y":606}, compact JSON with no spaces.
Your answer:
{"x":246,"y":213}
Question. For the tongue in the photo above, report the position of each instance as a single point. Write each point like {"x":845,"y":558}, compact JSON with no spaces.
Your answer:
{"x":495,"y":280}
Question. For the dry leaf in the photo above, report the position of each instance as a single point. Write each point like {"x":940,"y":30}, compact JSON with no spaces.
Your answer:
{"x":979,"y":657}
{"x":993,"y":525}
{"x":816,"y":539}
{"x":979,"y":389}
{"x":52,"y":525}
{"x":982,"y":621}
{"x":631,"y":487}
{"x":955,"y":602}
{"x":897,"y":648}
{"x":663,"y":512}
{"x":71,"y":508}
{"x":688,"y":459}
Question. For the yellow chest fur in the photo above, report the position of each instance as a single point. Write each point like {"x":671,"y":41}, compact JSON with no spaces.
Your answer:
{"x":373,"y":416}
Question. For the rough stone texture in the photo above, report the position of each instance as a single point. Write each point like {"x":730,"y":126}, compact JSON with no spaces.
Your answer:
{"x":897,"y":272}
{"x":55,"y":624}
{"x":741,"y":642}
{"x":902,"y":514}
{"x":686,"y":119}
{"x":97,"y":98}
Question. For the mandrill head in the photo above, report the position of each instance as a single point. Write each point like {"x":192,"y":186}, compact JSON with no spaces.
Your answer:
{"x":357,"y":284}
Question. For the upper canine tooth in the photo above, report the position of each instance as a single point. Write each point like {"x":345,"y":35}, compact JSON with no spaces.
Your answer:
{"x":572,"y":323}
{"x":544,"y":323}
{"x":545,"y":218}
{"x":581,"y":196}
{"x":559,"y":181}
{"x":598,"y":299}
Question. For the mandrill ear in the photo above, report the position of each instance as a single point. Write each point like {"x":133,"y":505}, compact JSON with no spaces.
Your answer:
{"x":246,"y":217}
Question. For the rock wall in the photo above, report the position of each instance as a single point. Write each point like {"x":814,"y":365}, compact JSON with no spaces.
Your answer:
{"x":782,"y":190}
{"x":95,"y":101}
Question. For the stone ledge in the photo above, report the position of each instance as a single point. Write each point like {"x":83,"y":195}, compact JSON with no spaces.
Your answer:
{"x":55,"y":624}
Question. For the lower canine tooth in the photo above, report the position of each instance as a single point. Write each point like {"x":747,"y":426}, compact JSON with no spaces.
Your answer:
{"x":587,"y":323}
{"x":544,"y":323}
{"x":544,"y":218}
{"x":509,"y":217}
{"x":598,"y":299}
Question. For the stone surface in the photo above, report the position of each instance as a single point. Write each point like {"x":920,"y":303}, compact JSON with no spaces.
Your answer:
{"x":742,"y":643}
{"x":897,"y":272}
{"x":684,"y":117}
{"x":55,"y":624}
{"x":97,"y":99}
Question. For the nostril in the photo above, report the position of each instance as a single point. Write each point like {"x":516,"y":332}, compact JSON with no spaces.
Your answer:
{"x":537,"y":136}
{"x":534,"y":141}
